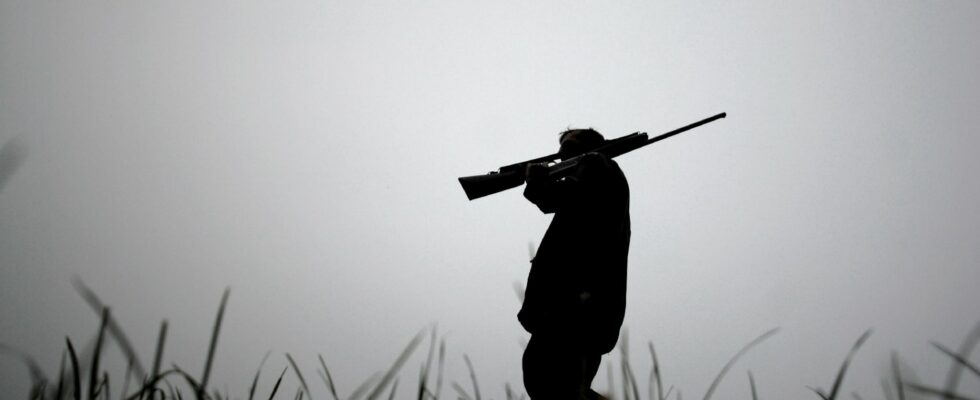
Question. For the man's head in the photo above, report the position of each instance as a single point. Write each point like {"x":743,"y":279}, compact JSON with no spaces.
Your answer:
{"x":578,"y":141}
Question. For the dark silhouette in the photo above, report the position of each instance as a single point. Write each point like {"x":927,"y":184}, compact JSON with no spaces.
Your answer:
{"x":576,"y":290}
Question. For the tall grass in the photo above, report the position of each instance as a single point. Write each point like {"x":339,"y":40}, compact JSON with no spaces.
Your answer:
{"x":176,"y":383}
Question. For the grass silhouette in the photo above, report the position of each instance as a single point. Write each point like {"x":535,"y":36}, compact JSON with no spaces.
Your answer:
{"x":176,"y":383}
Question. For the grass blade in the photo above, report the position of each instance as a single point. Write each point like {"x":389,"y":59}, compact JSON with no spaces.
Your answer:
{"x":388,"y":376}
{"x":843,"y":368}
{"x":394,"y":387}
{"x":158,"y":354}
{"x":959,"y":358}
{"x":37,"y":391}
{"x":469,"y":366}
{"x":363,"y":388}
{"x":936,"y":392}
{"x":442,"y":358}
{"x":422,"y":381}
{"x":153,"y":382}
{"x":61,"y":376}
{"x":462,"y":392}
{"x":302,"y":381}
{"x":818,"y":392}
{"x":117,"y":333}
{"x":255,"y":380}
{"x":655,"y":375}
{"x":328,"y":379}
{"x":427,"y":367}
{"x":724,"y":370}
{"x":953,"y":377}
{"x":214,"y":343}
{"x":173,"y":391}
{"x":76,"y":374}
{"x":94,"y":372}
{"x":278,"y":382}
{"x":651,"y":385}
{"x":886,"y":389}
{"x":157,"y":359}
{"x":125,"y":386}
{"x":755,"y":394}
{"x":198,"y":388}
{"x":897,"y":376}
{"x":103,"y":385}
{"x":624,"y":363}
{"x":632,"y":380}
{"x":37,"y":374}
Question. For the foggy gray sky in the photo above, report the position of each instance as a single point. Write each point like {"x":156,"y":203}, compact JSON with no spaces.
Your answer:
{"x":305,"y":154}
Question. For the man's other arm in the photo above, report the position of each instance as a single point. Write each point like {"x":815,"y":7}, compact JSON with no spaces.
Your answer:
{"x":548,"y":194}
{"x":551,"y":195}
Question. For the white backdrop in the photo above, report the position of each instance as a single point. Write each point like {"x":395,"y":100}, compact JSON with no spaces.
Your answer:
{"x":305,"y":155}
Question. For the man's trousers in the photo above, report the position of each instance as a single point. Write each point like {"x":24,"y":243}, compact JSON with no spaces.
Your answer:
{"x":556,"y":369}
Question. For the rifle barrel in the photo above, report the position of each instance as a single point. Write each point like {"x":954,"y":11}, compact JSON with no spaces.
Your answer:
{"x":685,"y":128}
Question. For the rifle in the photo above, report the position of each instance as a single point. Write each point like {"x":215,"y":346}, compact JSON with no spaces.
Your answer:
{"x":512,"y":175}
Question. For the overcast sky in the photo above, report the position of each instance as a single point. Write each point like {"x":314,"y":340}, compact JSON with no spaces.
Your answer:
{"x":305,"y":155}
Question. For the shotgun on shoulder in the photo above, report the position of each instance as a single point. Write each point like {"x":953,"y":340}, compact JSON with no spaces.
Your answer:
{"x":512,"y":175}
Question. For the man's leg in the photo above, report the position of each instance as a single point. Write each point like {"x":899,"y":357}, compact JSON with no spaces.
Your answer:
{"x":532,"y":368}
{"x":590,"y":366}
{"x":554,"y":370}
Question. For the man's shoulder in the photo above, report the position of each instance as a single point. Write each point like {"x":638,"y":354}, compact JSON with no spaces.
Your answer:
{"x":604,"y":163}
{"x":598,"y":161}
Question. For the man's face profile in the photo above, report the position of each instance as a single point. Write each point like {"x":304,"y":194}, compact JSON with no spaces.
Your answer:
{"x":571,"y":144}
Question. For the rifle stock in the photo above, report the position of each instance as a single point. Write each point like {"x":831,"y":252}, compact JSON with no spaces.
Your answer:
{"x":478,"y":186}
{"x":511,"y":176}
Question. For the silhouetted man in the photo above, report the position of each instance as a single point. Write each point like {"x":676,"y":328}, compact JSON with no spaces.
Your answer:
{"x":576,"y":291}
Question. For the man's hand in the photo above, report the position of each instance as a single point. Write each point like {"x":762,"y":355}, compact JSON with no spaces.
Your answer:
{"x":535,"y":172}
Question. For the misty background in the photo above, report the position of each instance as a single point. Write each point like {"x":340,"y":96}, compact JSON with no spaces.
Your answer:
{"x":305,"y":155}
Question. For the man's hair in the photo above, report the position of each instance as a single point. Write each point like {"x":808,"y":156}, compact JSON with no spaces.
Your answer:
{"x":590,"y":137}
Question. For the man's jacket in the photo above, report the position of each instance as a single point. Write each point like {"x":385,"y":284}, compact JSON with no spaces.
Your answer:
{"x":577,"y":285}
